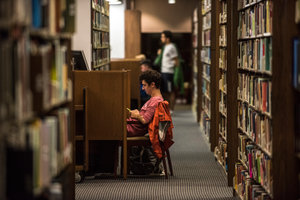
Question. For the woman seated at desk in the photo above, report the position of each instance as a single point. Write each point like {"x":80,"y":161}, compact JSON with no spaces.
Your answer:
{"x":151,"y":84}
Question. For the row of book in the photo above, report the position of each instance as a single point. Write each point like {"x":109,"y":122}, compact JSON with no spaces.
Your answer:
{"x":256,"y":126}
{"x":246,"y":188}
{"x":206,"y":105}
{"x":206,"y":60}
{"x":8,"y":79}
{"x":223,"y":36}
{"x":258,"y":164}
{"x":223,"y":13}
{"x":221,"y":153}
{"x":50,"y":84}
{"x":100,"y":39}
{"x":206,"y":6}
{"x":255,"y":91}
{"x":205,"y":55}
{"x":100,"y":57}
{"x":15,"y":98}
{"x":22,"y":12}
{"x":54,"y":15}
{"x":195,"y":61}
{"x":256,"y":20}
{"x":206,"y":21}
{"x":223,"y":83}
{"x":223,"y":103}
{"x":206,"y":71}
{"x":206,"y":89}
{"x":223,"y":59}
{"x":35,"y":77}
{"x":223,"y":127}
{"x":101,"y":5}
{"x":50,"y":141}
{"x":246,"y":3}
{"x":222,"y":132}
{"x":206,"y":37}
{"x":100,"y":21}
{"x":195,"y":35}
{"x":205,"y":123}
{"x":255,"y":55}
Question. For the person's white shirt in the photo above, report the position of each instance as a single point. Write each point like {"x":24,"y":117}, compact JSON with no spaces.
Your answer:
{"x":168,"y":61}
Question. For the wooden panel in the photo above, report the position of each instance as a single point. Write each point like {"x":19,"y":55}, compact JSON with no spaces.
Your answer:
{"x":106,"y":103}
{"x":134,"y":66}
{"x":284,"y":29}
{"x":132,"y":33}
{"x":215,"y":76}
{"x":232,"y":133}
{"x":199,"y":63}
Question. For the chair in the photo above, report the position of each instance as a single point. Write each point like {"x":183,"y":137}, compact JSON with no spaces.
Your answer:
{"x":163,"y":127}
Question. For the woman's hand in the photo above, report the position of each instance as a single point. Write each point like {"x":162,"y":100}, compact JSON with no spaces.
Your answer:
{"x":135,"y":114}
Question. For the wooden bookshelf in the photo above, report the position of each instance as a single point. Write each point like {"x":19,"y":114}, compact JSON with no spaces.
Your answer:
{"x":100,"y":35}
{"x":284,"y":121}
{"x":254,"y":85}
{"x":296,"y":90}
{"x":92,"y":34}
{"x":258,"y":112}
{"x":35,"y":100}
{"x":220,"y":64}
{"x":277,"y":117}
{"x":196,"y":103}
{"x":205,"y":19}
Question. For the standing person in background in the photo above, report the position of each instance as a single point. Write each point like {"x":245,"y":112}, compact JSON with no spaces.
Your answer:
{"x":168,"y":59}
{"x":145,"y":66}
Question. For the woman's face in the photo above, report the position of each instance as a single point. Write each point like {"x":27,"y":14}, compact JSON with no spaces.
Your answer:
{"x":147,"y":87}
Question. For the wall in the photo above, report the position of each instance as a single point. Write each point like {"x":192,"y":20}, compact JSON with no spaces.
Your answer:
{"x":158,"y":15}
{"x":82,"y":37}
{"x":117,"y":30}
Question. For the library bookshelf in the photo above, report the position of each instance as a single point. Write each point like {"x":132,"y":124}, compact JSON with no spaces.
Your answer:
{"x":100,"y":34}
{"x":196,"y":104}
{"x":220,"y":150}
{"x":92,"y":34}
{"x":35,"y":99}
{"x":296,"y":85}
{"x":205,"y":66}
{"x":254,"y":104}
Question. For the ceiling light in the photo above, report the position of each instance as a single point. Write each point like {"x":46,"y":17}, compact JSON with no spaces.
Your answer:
{"x":115,"y":2}
{"x":171,"y":1}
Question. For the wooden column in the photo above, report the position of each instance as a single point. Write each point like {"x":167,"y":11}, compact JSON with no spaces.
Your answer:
{"x":132,"y":33}
{"x":199,"y":64}
{"x":284,"y":29}
{"x":215,"y":75}
{"x":232,"y":83}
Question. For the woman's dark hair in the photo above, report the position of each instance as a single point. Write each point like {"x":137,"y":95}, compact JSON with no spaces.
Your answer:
{"x":168,"y":34}
{"x":151,"y":76}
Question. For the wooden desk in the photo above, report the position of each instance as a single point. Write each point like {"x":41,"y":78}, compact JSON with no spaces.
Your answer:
{"x":107,"y":97}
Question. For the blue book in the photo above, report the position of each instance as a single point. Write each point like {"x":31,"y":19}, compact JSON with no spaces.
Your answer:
{"x":296,"y":63}
{"x":36,"y":13}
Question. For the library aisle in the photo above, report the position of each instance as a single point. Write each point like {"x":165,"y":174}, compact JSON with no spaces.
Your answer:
{"x":196,"y":173}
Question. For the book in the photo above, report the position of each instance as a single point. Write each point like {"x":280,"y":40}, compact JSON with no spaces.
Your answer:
{"x":297,"y":12}
{"x":296,"y":63}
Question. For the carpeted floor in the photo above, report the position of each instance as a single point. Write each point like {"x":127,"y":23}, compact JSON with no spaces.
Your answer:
{"x":197,"y":175}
